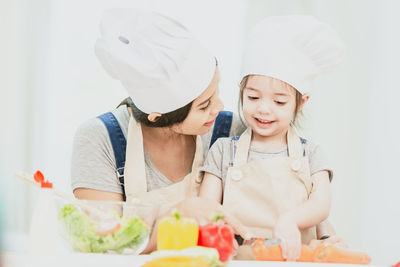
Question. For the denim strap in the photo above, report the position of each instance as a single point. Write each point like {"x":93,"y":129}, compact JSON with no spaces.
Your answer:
{"x":222,"y":126}
{"x":118,"y":143}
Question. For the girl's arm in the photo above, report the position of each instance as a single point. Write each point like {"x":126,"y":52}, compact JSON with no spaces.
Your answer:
{"x":325,"y":228}
{"x":316,"y":208}
{"x":310,"y":213}
{"x":211,"y":187}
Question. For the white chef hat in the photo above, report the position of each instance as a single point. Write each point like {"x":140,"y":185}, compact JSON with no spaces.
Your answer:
{"x":162,"y":66}
{"x":293,"y":49}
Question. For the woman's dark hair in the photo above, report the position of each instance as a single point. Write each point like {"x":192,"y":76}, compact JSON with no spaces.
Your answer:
{"x":166,"y":120}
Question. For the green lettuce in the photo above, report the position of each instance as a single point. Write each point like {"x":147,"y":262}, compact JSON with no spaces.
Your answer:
{"x":81,"y":234}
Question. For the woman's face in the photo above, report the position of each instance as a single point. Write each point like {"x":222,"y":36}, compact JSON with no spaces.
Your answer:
{"x":204,"y":110}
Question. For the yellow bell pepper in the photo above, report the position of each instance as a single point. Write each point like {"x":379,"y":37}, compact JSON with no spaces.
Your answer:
{"x":177,"y":232}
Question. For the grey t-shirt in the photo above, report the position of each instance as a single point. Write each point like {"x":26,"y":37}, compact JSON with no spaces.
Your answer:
{"x":219,"y":156}
{"x":93,"y":164}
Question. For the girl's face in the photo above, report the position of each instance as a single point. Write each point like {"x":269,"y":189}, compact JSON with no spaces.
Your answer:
{"x":269,"y":105}
{"x":203,"y":112}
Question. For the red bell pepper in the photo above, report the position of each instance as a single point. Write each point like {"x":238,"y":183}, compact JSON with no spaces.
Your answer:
{"x":218,"y":235}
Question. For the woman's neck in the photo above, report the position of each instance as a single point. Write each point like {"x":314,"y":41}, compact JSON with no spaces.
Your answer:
{"x":164,"y":135}
{"x":172,"y":153}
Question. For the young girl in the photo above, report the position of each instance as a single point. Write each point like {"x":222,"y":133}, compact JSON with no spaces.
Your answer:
{"x":276,"y":183}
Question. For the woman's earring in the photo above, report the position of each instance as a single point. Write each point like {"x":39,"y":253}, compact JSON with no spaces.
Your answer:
{"x":154,"y":116}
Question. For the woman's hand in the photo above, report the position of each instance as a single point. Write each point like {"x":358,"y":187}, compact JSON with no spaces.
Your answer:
{"x":287,"y":230}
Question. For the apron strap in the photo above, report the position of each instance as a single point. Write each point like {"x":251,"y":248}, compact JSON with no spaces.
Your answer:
{"x":135,"y":173}
{"x":297,"y":154}
{"x":295,"y":146}
{"x":242,"y":148}
{"x":118,"y":143}
{"x":198,"y":160}
{"x":222,"y":126}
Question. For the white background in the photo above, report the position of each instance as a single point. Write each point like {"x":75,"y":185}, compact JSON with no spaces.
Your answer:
{"x":50,"y":82}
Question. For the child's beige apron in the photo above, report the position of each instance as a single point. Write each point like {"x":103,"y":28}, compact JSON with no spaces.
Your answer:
{"x":259,"y":191}
{"x":135,"y":175}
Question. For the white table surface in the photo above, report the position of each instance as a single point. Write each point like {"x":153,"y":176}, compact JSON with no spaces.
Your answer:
{"x":12,"y":259}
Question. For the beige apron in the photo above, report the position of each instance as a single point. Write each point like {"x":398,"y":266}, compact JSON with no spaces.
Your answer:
{"x":258,"y":192}
{"x":135,"y":175}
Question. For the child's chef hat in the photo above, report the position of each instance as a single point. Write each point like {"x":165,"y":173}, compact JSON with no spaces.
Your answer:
{"x":155,"y":58}
{"x":293,"y":49}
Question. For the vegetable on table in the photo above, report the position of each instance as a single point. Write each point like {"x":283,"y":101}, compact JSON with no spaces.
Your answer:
{"x":86,"y":236}
{"x":332,"y":254}
{"x":176,"y":232}
{"x":177,"y":262}
{"x":218,"y":235}
{"x":264,"y":252}
{"x":193,"y":256}
{"x":325,"y":254}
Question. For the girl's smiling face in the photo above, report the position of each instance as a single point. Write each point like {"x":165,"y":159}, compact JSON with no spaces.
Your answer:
{"x":269,"y":106}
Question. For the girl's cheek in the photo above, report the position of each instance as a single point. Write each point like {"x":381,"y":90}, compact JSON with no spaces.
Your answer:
{"x":248,"y":106}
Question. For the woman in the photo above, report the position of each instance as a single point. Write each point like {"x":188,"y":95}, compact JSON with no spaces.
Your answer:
{"x":173,"y":82}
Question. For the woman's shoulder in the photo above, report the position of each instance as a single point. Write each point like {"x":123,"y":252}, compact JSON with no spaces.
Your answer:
{"x":95,"y":128}
{"x":238,"y":126}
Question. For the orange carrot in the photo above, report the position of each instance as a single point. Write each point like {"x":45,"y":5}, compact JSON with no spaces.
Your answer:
{"x":307,"y":254}
{"x":327,"y":254}
{"x":263,"y":252}
{"x":332,"y":254}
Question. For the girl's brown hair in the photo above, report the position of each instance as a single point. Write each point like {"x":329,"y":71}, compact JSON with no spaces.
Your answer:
{"x":242,"y":86}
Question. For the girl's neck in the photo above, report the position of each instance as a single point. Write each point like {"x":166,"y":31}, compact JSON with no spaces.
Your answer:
{"x":274,"y":142}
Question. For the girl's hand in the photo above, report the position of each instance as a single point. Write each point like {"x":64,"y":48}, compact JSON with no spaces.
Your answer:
{"x":325,"y":228}
{"x":286,"y":229}
{"x":334,"y":240}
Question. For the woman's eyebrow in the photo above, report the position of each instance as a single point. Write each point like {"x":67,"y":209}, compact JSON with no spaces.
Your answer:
{"x":205,"y":101}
